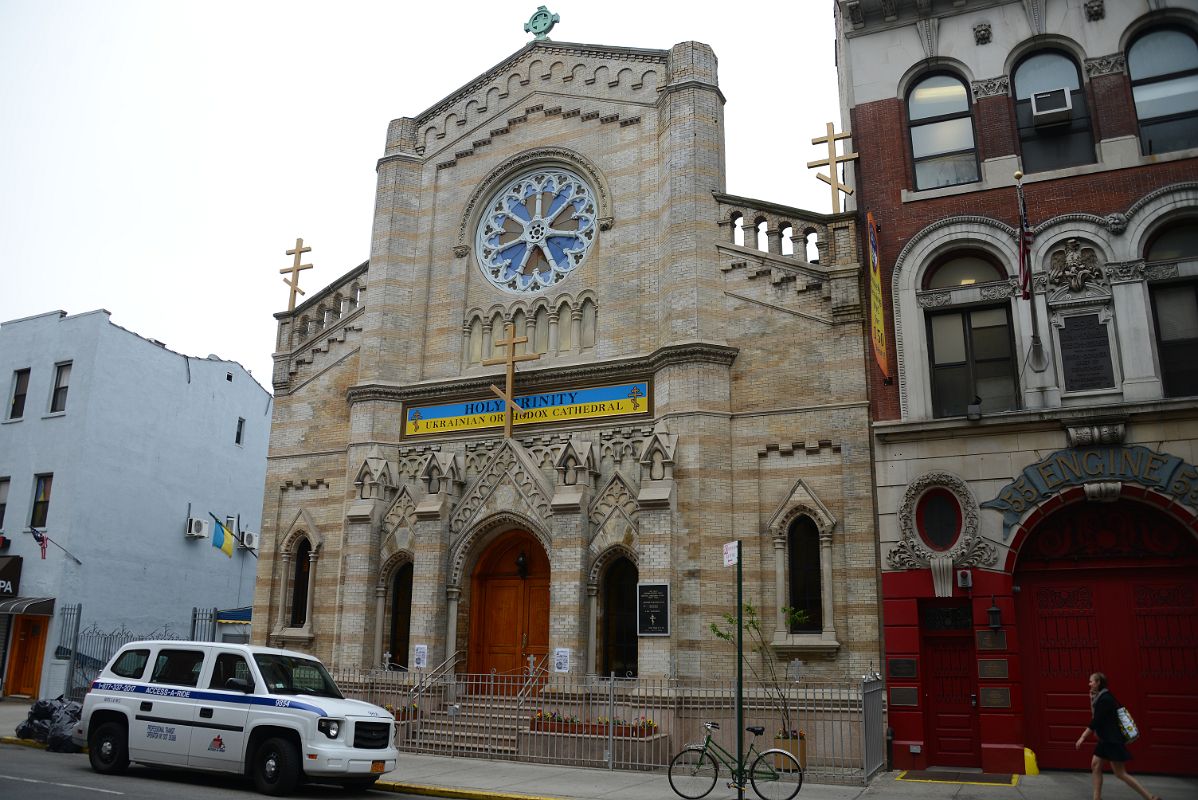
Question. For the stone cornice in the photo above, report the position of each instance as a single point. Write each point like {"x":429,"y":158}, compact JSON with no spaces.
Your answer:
{"x":533,"y":380}
{"x":548,"y":47}
{"x":693,"y":84}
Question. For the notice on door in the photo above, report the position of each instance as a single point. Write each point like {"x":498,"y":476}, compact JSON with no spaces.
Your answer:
{"x":653,"y":609}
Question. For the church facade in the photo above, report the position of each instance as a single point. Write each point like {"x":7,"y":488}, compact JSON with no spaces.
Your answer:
{"x":557,"y":235}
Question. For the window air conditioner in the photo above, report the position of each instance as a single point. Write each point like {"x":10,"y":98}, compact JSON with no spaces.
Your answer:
{"x":196,"y":528}
{"x":1052,"y":107}
{"x":249,"y":540}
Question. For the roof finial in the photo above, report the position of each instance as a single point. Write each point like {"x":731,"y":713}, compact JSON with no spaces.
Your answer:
{"x":541,"y":22}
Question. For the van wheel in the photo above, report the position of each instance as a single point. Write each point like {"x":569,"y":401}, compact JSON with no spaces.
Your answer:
{"x":276,"y":767}
{"x":108,"y":748}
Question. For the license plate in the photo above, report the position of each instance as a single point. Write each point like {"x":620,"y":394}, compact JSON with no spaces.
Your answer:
{"x":377,"y":766}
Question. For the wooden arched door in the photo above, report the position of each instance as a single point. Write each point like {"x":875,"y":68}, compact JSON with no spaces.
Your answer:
{"x":1110,"y":588}
{"x":509,"y":607}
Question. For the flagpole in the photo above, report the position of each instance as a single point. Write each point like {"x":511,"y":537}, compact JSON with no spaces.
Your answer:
{"x":1037,"y":358}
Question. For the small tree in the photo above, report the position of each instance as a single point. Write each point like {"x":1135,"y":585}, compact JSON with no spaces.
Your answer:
{"x":768,"y":672}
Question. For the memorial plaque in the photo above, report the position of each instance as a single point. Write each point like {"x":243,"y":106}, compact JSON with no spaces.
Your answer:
{"x":992,"y":640}
{"x":653,"y":609}
{"x":901,"y":667}
{"x":994,"y":697}
{"x":1086,"y":354}
{"x":992,"y":668}
{"x":904,"y":696}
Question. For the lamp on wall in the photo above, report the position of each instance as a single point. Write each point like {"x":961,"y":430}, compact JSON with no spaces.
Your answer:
{"x":522,"y":565}
{"x":995,"y":615}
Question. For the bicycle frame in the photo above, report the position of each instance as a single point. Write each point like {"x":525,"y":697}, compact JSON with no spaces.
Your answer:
{"x":728,"y":760}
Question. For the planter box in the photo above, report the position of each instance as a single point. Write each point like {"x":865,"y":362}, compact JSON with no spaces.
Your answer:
{"x":796,"y":747}
{"x":590,"y":728}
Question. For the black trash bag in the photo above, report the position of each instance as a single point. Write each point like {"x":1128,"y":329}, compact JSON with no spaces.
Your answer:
{"x":36,"y":729}
{"x":62,"y":725}
{"x":43,"y":709}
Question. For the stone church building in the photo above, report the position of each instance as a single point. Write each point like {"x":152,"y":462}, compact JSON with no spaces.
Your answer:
{"x":689,"y":372}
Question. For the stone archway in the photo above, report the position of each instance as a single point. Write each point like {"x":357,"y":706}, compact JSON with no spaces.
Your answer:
{"x":1109,"y":587}
{"x":509,"y":609}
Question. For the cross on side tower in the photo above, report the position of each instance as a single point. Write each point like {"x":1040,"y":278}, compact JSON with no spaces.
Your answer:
{"x":833,"y":161}
{"x":295,"y":270}
{"x":510,"y":359}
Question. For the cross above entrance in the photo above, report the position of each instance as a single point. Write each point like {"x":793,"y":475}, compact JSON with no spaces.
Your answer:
{"x":295,"y":269}
{"x":505,"y":394}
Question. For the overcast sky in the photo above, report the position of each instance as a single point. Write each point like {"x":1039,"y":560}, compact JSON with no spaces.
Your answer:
{"x":157,"y":158}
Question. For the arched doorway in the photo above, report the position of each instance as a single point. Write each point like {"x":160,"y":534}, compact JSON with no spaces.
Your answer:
{"x":401,"y":614}
{"x":509,"y":607}
{"x":619,"y":620}
{"x":1110,"y":588}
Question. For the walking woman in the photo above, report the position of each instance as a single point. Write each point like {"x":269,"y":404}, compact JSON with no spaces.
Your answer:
{"x":1110,"y":747}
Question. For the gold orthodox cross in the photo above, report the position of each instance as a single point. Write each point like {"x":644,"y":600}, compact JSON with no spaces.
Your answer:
{"x":295,"y":270}
{"x":634,"y":393}
{"x":833,"y":162}
{"x":506,"y":394}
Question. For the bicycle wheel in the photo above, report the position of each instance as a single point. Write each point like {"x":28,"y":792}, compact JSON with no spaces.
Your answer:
{"x":776,"y":775}
{"x":693,"y":772}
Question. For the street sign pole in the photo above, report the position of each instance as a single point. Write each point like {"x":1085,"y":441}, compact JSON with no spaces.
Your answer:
{"x":740,"y":680}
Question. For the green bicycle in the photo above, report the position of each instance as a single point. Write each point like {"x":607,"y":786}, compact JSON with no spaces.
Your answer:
{"x":775,"y":774}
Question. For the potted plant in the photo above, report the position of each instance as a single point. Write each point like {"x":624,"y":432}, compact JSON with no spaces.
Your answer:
{"x":768,"y":672}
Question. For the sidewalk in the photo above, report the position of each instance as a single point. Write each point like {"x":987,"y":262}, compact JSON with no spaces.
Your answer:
{"x":476,"y":779}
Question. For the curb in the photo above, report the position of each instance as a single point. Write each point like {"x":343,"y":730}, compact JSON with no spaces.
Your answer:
{"x":386,"y":786}
{"x":460,"y":794}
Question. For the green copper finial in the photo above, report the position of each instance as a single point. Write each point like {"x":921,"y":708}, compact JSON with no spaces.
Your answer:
{"x":541,"y":22}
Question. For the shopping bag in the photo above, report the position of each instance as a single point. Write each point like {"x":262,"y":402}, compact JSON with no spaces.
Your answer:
{"x":1127,"y":726}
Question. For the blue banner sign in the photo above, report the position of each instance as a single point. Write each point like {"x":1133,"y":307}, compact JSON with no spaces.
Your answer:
{"x":1074,"y":467}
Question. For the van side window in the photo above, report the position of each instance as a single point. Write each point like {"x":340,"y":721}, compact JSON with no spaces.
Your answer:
{"x":131,"y":664}
{"x":229,"y":665}
{"x":178,"y":667}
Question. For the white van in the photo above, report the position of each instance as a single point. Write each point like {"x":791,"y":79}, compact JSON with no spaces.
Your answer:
{"x":274,"y":715}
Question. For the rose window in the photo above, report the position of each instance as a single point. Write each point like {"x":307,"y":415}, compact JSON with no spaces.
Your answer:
{"x":536,"y":230}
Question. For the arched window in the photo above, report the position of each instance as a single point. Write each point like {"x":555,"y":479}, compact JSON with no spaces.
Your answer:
{"x":1051,"y":113}
{"x":565,"y":326}
{"x":806,"y":595}
{"x":1175,"y":310}
{"x":941,"y":126}
{"x":540,"y":338}
{"x":589,"y":322}
{"x":302,"y":565}
{"x":788,"y":242}
{"x":971,"y":351}
{"x":619,"y":620}
{"x":1163,"y":65}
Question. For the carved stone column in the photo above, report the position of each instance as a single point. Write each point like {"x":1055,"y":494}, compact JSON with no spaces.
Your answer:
{"x":592,"y":627}
{"x":285,"y":584}
{"x":780,"y":628}
{"x":553,"y":319}
{"x":380,"y":596}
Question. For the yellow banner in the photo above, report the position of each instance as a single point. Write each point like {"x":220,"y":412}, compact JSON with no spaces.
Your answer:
{"x":877,"y":311}
{"x":591,"y":403}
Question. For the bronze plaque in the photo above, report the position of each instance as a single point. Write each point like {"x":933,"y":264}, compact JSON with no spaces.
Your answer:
{"x":901,"y":667}
{"x":994,"y":697}
{"x":1086,"y":353}
{"x":904,"y":696}
{"x":992,"y":640}
{"x":992,"y":668}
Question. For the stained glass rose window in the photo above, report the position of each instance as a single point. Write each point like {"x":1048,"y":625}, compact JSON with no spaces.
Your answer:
{"x":536,"y":230}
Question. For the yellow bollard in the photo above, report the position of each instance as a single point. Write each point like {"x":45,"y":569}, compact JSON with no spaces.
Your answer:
{"x":1029,"y":762}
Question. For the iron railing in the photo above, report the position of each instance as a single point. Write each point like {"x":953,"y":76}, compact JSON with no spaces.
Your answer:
{"x":627,"y":724}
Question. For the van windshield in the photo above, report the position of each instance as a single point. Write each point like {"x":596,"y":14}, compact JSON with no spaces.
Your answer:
{"x":295,"y":675}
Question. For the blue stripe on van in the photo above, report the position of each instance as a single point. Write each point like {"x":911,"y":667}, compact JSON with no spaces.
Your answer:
{"x":167,"y":693}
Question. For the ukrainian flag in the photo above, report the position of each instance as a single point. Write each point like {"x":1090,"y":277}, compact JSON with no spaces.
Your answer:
{"x":222,"y":537}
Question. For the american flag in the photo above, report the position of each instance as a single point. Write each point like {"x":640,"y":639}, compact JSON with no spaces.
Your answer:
{"x":40,"y":538}
{"x":1025,"y":248}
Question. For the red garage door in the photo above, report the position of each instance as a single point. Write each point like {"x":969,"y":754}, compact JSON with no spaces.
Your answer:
{"x":1110,"y":588}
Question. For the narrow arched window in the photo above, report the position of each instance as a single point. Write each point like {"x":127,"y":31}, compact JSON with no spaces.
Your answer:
{"x":1163,"y":65}
{"x":540,"y":338}
{"x":806,"y":595}
{"x":302,"y":564}
{"x":589,"y":322}
{"x":941,"y":127}
{"x":1051,"y":113}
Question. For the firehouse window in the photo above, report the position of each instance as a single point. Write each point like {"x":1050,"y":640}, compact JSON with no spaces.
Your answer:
{"x":1051,"y":113}
{"x":938,"y":518}
{"x":942,"y":143}
{"x":62,"y":381}
{"x":802,"y":542}
{"x":972,"y":361}
{"x":20,"y":387}
{"x":1163,"y":65}
{"x":41,"y":500}
{"x":1175,"y":309}
{"x":964,"y":270}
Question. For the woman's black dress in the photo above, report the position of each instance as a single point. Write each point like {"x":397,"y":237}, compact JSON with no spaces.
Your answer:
{"x":1106,"y":726}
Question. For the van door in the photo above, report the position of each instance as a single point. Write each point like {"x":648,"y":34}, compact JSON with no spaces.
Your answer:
{"x":218,"y":727}
{"x":161,"y":730}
